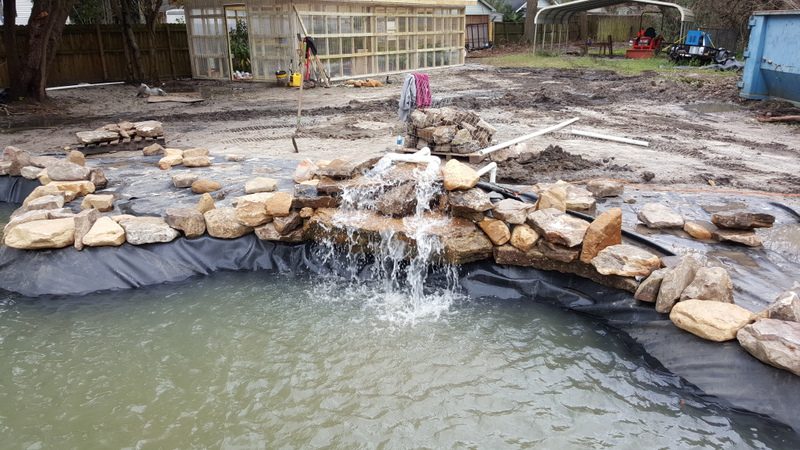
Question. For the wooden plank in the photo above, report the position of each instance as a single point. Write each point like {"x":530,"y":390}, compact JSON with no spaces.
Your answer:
{"x":174,"y":98}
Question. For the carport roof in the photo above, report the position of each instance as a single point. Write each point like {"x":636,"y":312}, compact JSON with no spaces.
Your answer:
{"x":562,"y":13}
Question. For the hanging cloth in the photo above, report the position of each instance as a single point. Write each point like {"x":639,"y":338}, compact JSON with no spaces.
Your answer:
{"x":423,"y":90}
{"x":408,"y":97}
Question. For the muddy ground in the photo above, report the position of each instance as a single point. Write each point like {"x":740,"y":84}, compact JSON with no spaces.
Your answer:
{"x":701,"y":134}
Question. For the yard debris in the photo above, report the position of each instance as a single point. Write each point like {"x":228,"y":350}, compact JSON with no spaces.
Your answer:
{"x":364,"y":83}
{"x":448,"y":130}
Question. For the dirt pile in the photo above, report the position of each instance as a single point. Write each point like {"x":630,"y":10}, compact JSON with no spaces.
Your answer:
{"x":528,"y":167}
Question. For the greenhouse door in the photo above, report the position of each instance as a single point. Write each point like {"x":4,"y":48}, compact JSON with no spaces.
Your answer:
{"x":238,"y":42}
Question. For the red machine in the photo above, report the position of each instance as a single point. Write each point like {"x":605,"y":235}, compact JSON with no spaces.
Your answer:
{"x":646,"y":44}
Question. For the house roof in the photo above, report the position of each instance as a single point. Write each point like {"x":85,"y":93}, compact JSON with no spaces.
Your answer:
{"x":562,"y":13}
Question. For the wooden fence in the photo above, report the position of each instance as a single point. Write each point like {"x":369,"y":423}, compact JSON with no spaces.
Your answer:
{"x":96,"y":53}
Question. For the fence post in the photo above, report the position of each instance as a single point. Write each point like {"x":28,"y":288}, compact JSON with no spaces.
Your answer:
{"x":102,"y":51}
{"x":169,"y":48}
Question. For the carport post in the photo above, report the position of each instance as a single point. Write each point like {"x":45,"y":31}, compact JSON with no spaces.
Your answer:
{"x":535,"y":33}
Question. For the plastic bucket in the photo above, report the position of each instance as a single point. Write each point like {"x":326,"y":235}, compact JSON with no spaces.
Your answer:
{"x":282,"y":78}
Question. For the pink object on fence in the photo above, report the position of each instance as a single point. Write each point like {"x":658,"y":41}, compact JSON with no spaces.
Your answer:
{"x":423,"y":90}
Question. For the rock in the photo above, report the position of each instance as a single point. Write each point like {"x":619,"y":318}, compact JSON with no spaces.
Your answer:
{"x":744,"y":237}
{"x":648,"y":289}
{"x":329,"y":186}
{"x":557,"y":227}
{"x":710,"y":283}
{"x":604,"y":231}
{"x":196,"y":161}
{"x":306,"y":213}
{"x":565,"y":194}
{"x":205,"y":204}
{"x":785,"y":307}
{"x":43,"y":161}
{"x":626,"y":260}
{"x":188,"y":220}
{"x":149,"y":128}
{"x":345,"y":168}
{"x":713,"y":321}
{"x":184,"y":179}
{"x":46,"y":202}
{"x":41,"y":234}
{"x":469,"y":204}
{"x":26,"y":216}
{"x":251,"y":210}
{"x":195,"y":152}
{"x":397,"y":201}
{"x":458,"y":176}
{"x":169,"y":161}
{"x":773,"y":342}
{"x":675,"y":281}
{"x":67,"y":171}
{"x":203,"y":186}
{"x":268,"y":232}
{"x":100,"y":202}
{"x":96,"y":136}
{"x":279,"y":204}
{"x":235,"y":158}
{"x":444,"y":134}
{"x":44,"y":178}
{"x":221,"y":223}
{"x":287,"y":224}
{"x":605,"y":188}
{"x":104,"y":233}
{"x":73,"y":188}
{"x":557,"y":252}
{"x":42,"y":191}
{"x":512,"y":211}
{"x":15,"y":160}
{"x":76,"y":157}
{"x":700,"y":230}
{"x":648,"y":176}
{"x":553,"y":198}
{"x":98,"y":178}
{"x":496,"y":230}
{"x":462,"y":137}
{"x":152,"y":150}
{"x":524,"y":237}
{"x":147,"y":230}
{"x":84,"y":221}
{"x":5,"y":168}
{"x":658,"y":216}
{"x":742,"y":220}
{"x":173,"y":152}
{"x":465,"y":243}
{"x":322,"y":201}
{"x":62,"y":213}
{"x":30,"y":172}
{"x":260,"y":184}
{"x":305,"y":170}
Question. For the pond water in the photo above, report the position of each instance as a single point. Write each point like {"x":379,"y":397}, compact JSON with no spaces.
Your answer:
{"x":255,"y":360}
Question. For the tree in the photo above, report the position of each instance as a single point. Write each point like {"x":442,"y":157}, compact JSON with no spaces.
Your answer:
{"x":530,"y":16}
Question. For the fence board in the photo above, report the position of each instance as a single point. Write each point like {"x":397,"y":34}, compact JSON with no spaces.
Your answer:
{"x":96,"y":53}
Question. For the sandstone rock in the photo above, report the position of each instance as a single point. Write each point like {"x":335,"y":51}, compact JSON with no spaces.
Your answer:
{"x":251,"y":210}
{"x":43,"y":161}
{"x":699,"y":229}
{"x":195,"y":152}
{"x":205,"y":204}
{"x":459,"y":176}
{"x":188,"y":220}
{"x":573,"y":197}
{"x":675,"y":281}
{"x":196,"y":161}
{"x":524,"y":237}
{"x":46,"y":202}
{"x":62,"y":213}
{"x":604,"y":231}
{"x":6,"y":167}
{"x":30,"y":172}
{"x":322,"y":201}
{"x":496,"y":230}
{"x":73,"y":189}
{"x":173,"y":152}
{"x":67,"y":171}
{"x":147,"y":230}
{"x":444,"y":134}
{"x":76,"y":157}
{"x":100,"y":202}
{"x":329,"y":186}
{"x":398,"y":201}
{"x":744,"y":237}
{"x":713,"y":321}
{"x":462,"y":137}
{"x":605,"y":188}
{"x":279,"y":204}
{"x":268,"y":232}
{"x":710,"y":283}
{"x":465,"y":243}
{"x":557,"y":252}
{"x":785,"y":307}
{"x":235,"y":158}
{"x":44,"y":178}
{"x":305,"y":170}
{"x":287,"y":224}
{"x":42,"y":191}
{"x":184,"y":179}
{"x":104,"y":233}
{"x":15,"y":160}
{"x":221,"y":223}
{"x":658,"y":216}
{"x":83,"y":223}
{"x":149,"y":128}
{"x":306,"y":213}
{"x":469,"y":204}
{"x":345,"y":168}
{"x":260,"y":184}
{"x":98,"y":178}
{"x":152,"y":150}
{"x":557,"y":227}
{"x":553,"y":198}
{"x":204,"y":186}
{"x":96,"y":136}
{"x":648,"y":289}
{"x":512,"y":211}
{"x":773,"y":342}
{"x":169,"y":161}
{"x":742,"y":220}
{"x":41,"y":234}
{"x":26,"y":216}
{"x":626,"y":260}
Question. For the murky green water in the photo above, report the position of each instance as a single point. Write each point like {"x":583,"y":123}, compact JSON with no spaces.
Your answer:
{"x":251,"y":360}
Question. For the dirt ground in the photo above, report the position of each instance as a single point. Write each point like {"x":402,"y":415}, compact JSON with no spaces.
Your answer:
{"x":701,"y":133}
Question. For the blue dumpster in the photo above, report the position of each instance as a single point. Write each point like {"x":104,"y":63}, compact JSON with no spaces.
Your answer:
{"x":772,"y":58}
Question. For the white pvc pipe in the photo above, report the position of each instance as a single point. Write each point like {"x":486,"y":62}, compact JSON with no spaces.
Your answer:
{"x":491,"y":169}
{"x":591,"y":134}
{"x":503,"y":145}
{"x":83,"y":85}
{"x":421,"y":157}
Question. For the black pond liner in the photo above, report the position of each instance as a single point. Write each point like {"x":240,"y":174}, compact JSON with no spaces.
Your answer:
{"x":723,"y":373}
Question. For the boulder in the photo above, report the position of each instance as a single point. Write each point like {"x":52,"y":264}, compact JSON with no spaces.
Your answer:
{"x":648,"y":289}
{"x":604,"y":231}
{"x":269,"y":232}
{"x":287,"y":224}
{"x":279,"y":204}
{"x":658,"y":216}
{"x":152,"y":150}
{"x":188,"y":220}
{"x":785,"y":307}
{"x":43,"y":161}
{"x":743,"y":237}
{"x":459,"y":176}
{"x":306,"y":213}
{"x":626,"y":260}
{"x":167,"y":162}
{"x":147,"y":230}
{"x":205,"y":204}
{"x":444,"y":134}
{"x":26,"y":216}
{"x":43,"y":191}
{"x":675,"y":281}
{"x":73,"y":189}
{"x":605,"y":188}
{"x":15,"y":159}
{"x":512,"y":211}
{"x":260,"y":184}
{"x":30,"y":172}
{"x":67,"y":171}
{"x":96,"y":136}
{"x":195,"y":152}
{"x":196,"y":161}
{"x":465,"y":243}
{"x":41,"y":234}
{"x":6,"y":167}
{"x":773,"y":342}
{"x":558,"y":252}
{"x":76,"y":157}
{"x":524,"y":237}
{"x":100,"y":202}
{"x":575,"y":197}
{"x":104,"y":233}
{"x":557,"y":227}
{"x":204,"y":186}
{"x":469,"y":204}
{"x":345,"y":168}
{"x":699,"y":229}
{"x":741,"y":220}
{"x":553,"y":198}
{"x":710,"y":320}
{"x":148,"y":128}
{"x":84,"y":221}
{"x":496,"y":230}
{"x":44,"y":178}
{"x":710,"y":283}
{"x":462,"y":137}
{"x":184,"y":179}
{"x":251,"y":210}
{"x":46,"y":202}
{"x":98,"y":178}
{"x":221,"y":223}
{"x":398,"y":201}
{"x":305,"y":170}
{"x":235,"y":158}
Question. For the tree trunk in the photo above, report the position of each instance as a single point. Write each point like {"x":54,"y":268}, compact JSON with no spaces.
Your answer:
{"x":530,"y":15}
{"x":122,"y":10}
{"x":10,"y":44}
